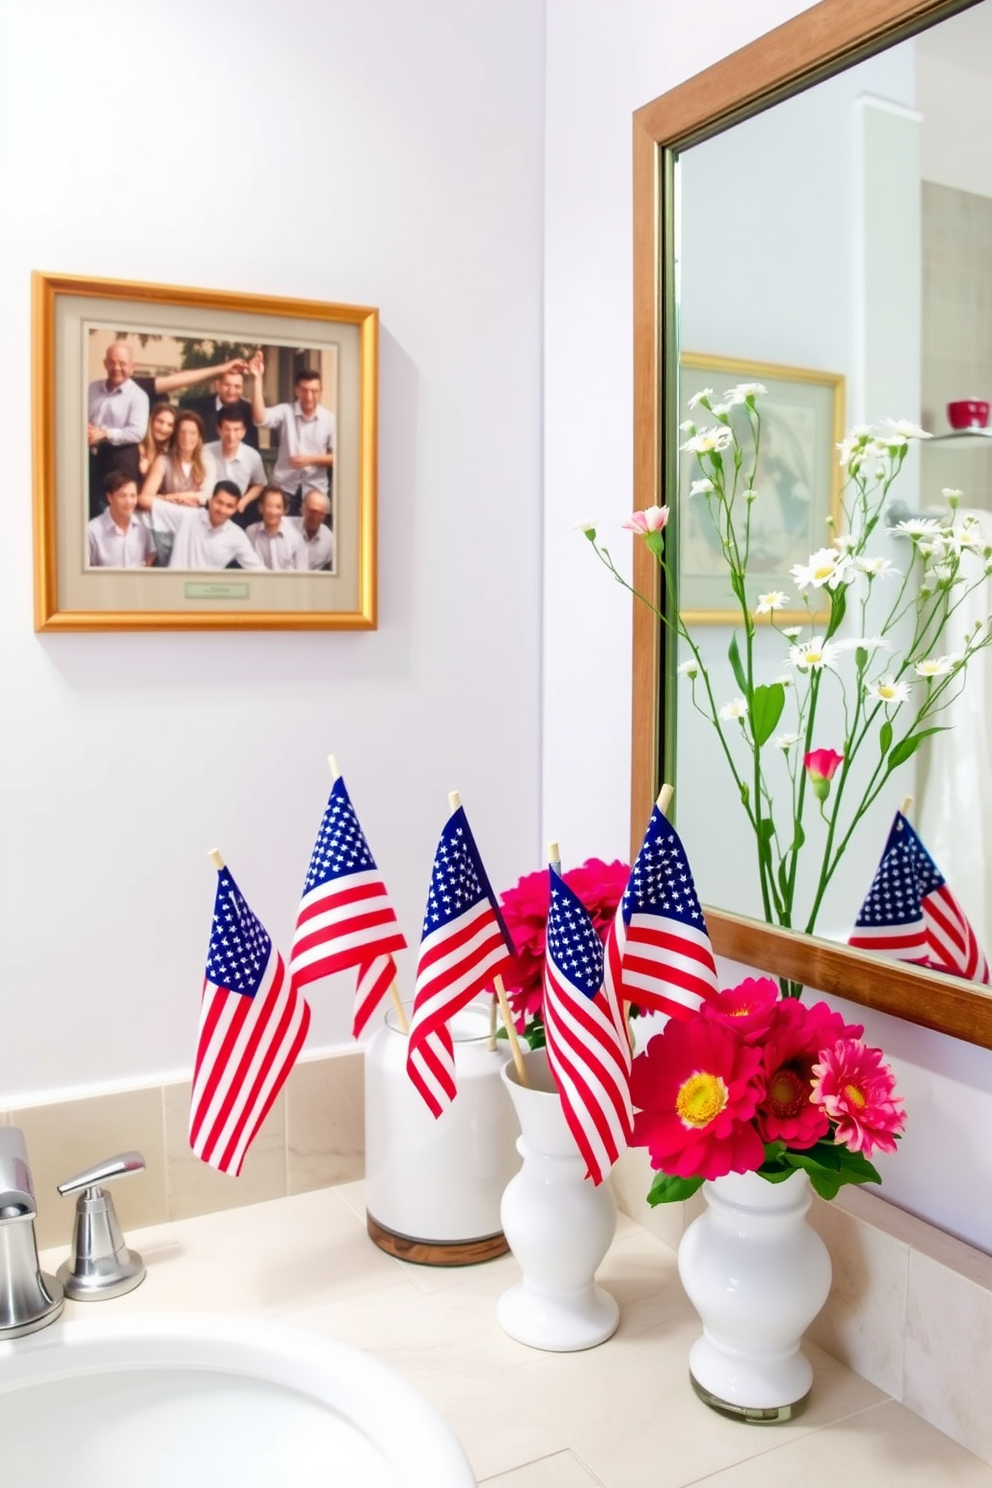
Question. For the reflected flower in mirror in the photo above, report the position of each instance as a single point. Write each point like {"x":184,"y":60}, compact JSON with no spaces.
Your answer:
{"x":861,"y":687}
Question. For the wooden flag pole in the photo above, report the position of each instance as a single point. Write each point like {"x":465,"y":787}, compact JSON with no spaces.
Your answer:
{"x":216,"y":859}
{"x":493,"y":1020}
{"x":332,"y":764}
{"x":554,"y":856}
{"x":398,"y":1005}
{"x":511,"y":1032}
{"x":907,"y":802}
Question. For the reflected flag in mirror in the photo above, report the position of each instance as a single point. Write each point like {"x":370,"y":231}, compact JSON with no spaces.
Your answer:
{"x":910,"y":913}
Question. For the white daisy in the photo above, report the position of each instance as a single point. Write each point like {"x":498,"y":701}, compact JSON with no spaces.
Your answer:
{"x":792,"y":631}
{"x":908,"y":429}
{"x":785,"y":741}
{"x":885,"y":690}
{"x":744,"y":392}
{"x":915,"y":527}
{"x":935,"y":666}
{"x":824,"y":567}
{"x":701,"y":488}
{"x":708,"y":441}
{"x":750,"y":494}
{"x":735,"y":709}
{"x":689,"y":668}
{"x":876,"y":567}
{"x":775,"y":599}
{"x":814,"y":654}
{"x":784,"y":681}
{"x":701,"y":399}
{"x":864,"y":643}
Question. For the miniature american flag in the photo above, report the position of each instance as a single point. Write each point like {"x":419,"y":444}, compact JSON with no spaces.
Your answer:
{"x":252,"y":1026}
{"x":463,"y":947}
{"x":588,"y":1053}
{"x":911,"y":914}
{"x":345,"y":917}
{"x":658,"y":952}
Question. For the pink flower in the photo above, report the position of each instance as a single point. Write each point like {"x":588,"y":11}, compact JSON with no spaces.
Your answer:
{"x":598,"y":885}
{"x":747,"y":1008}
{"x":821,"y":767}
{"x":651,"y":519}
{"x":650,"y":524}
{"x":695,"y":1090}
{"x":857,"y":1092}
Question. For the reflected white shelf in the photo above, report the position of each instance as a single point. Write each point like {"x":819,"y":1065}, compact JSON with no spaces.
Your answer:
{"x":964,"y":438}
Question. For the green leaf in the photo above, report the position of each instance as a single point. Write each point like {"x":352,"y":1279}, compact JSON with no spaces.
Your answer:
{"x":667,"y":1189}
{"x":860,"y":659}
{"x":766,"y":710}
{"x":838,"y":607}
{"x":735,"y":664}
{"x":885,"y":737}
{"x":799,"y":838}
{"x":907,"y":747}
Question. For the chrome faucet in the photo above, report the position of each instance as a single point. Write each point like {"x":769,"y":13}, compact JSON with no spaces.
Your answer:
{"x":29,"y":1297}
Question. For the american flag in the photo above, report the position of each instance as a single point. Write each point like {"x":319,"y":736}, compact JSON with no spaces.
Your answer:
{"x":345,"y":916}
{"x":588,"y":1052}
{"x":658,"y":952}
{"x":464,"y":945}
{"x":911,"y":914}
{"x":252,"y":1026}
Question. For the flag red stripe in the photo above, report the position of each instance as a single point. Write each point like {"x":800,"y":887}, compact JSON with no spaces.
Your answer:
{"x":259,"y":1014}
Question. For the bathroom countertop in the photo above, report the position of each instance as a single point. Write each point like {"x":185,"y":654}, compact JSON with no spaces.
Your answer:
{"x":622,"y":1415}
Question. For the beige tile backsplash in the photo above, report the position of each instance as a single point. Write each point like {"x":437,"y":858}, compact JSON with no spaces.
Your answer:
{"x":910,"y":1309}
{"x":313,"y":1137}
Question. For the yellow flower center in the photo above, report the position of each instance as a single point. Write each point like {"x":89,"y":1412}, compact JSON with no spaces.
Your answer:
{"x":701,"y":1099}
{"x":812,"y":657}
{"x":886,"y":692}
{"x":854,"y":1095}
{"x":824,"y":571}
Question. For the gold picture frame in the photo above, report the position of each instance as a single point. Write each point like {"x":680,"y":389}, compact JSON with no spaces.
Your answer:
{"x":72,"y":319}
{"x":799,"y":481}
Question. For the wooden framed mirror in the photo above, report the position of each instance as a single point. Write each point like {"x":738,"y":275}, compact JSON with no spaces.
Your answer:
{"x":818,"y":44}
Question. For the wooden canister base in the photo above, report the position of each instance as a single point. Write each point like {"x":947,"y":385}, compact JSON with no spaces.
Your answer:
{"x":436,"y":1252}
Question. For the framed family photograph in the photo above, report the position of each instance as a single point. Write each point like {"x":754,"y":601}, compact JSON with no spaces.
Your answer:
{"x":798,"y":481}
{"x":202,"y":460}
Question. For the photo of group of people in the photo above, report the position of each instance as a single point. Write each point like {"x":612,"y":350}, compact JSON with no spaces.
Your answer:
{"x":209,"y":454}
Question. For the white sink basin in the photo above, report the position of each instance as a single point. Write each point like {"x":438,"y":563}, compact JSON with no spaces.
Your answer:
{"x":189,"y":1399}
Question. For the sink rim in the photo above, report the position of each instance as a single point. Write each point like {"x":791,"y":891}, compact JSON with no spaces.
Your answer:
{"x":410,"y":1432}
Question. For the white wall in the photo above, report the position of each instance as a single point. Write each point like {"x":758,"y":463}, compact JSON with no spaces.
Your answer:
{"x":386,"y":154}
{"x":596,"y":76}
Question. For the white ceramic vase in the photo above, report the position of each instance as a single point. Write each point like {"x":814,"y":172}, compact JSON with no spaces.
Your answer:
{"x":433,"y":1187}
{"x":757,"y":1273}
{"x":558,"y":1223}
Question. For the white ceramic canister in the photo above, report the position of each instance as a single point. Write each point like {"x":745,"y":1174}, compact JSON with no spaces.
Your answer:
{"x":559,"y":1225}
{"x":433,"y":1186}
{"x":757,"y":1273}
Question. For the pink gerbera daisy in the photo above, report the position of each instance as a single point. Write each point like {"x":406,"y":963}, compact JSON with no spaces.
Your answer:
{"x":696,"y":1088}
{"x":857,"y":1092}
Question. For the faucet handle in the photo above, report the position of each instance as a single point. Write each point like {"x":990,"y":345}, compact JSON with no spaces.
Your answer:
{"x":118,"y":1166}
{"x":100,"y":1263}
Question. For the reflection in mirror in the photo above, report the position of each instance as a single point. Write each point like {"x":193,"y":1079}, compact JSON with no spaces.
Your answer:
{"x":837,"y":250}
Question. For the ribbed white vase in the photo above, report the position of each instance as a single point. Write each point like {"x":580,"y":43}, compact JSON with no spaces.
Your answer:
{"x":757,"y":1273}
{"x":558,"y":1223}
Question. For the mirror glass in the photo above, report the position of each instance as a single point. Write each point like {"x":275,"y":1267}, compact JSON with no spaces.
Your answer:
{"x":837,"y":249}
